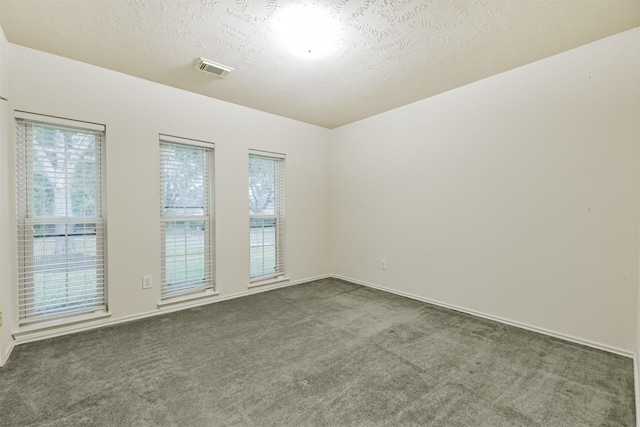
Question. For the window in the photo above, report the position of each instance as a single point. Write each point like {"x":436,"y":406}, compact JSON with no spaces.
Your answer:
{"x":186,"y":178}
{"x":61,"y":244}
{"x":266,"y":215}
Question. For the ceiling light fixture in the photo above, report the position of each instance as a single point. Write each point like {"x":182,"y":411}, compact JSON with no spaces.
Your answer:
{"x":307,"y":30}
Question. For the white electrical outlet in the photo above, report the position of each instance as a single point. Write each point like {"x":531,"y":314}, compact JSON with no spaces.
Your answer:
{"x":383,"y":264}
{"x":147,"y":282}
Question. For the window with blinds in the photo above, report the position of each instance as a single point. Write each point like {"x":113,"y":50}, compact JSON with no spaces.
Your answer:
{"x":266,"y":215}
{"x":61,"y":239}
{"x":186,"y":211}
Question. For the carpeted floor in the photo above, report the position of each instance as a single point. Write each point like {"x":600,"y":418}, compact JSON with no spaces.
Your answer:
{"x":325,"y":353}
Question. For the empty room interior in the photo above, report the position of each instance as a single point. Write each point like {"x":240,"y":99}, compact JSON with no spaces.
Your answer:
{"x":329,"y":213}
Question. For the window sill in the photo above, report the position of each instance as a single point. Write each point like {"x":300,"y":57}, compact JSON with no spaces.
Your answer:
{"x":266,"y":282}
{"x":52,"y":328}
{"x":187,"y":298}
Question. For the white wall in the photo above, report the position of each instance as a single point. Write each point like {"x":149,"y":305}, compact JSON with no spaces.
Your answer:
{"x":6,"y":212}
{"x":515,"y":196}
{"x":135,"y":111}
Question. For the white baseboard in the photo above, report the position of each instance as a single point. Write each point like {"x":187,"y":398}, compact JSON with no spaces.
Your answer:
{"x":566,"y":337}
{"x":94,"y":325}
{"x":23,"y":339}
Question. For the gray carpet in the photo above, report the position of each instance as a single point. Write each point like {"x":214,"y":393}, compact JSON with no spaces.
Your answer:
{"x":325,"y":353}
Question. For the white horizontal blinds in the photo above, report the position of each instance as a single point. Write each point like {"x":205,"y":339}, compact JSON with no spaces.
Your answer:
{"x":186,"y":178}
{"x":266,"y":216}
{"x":61,"y":239}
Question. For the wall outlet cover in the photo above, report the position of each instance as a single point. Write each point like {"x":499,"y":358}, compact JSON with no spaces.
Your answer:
{"x":147,"y":282}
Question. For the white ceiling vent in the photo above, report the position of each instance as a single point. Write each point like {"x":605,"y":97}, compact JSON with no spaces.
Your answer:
{"x":213,"y":67}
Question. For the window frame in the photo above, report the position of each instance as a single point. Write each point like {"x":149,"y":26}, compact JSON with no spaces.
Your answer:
{"x":208,"y":217}
{"x":27,"y":219}
{"x":278,"y":216}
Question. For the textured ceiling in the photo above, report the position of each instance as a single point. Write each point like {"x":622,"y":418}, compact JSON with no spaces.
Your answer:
{"x":388,"y":53}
